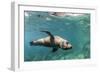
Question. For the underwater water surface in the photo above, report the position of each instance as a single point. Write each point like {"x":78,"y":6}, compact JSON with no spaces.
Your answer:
{"x":74,"y":28}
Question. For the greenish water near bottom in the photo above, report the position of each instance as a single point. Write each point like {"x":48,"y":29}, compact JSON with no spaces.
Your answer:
{"x":76,"y":29}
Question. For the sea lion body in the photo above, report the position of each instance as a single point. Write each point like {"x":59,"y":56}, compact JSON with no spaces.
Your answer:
{"x":55,"y":42}
{"x":46,"y":41}
{"x":57,"y":13}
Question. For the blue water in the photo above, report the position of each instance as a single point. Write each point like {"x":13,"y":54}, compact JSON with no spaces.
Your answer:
{"x":76,"y":29}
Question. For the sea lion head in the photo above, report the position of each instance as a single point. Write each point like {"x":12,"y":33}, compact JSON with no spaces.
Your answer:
{"x":66,"y":45}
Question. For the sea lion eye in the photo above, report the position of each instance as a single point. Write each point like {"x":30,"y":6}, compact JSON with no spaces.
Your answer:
{"x":67,"y":42}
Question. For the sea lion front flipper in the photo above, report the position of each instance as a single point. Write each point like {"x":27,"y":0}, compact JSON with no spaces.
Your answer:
{"x":52,"y":42}
{"x":54,"y":49}
{"x":49,"y":34}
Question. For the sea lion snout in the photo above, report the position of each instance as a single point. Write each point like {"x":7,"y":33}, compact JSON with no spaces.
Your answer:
{"x":67,"y":46}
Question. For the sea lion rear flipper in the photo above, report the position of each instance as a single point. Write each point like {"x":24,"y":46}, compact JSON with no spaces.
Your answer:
{"x":54,"y":49}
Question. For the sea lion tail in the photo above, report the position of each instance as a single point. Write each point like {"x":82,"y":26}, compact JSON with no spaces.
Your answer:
{"x":31,"y":43}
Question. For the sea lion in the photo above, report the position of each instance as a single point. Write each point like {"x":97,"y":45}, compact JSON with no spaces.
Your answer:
{"x":55,"y":42}
{"x":63,"y":14}
{"x":57,"y":13}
